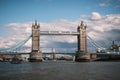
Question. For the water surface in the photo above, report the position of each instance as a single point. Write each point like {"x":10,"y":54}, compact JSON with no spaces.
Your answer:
{"x":60,"y":70}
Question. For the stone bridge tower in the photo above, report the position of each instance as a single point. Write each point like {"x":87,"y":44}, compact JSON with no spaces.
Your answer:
{"x":35,"y":55}
{"x":82,"y":54}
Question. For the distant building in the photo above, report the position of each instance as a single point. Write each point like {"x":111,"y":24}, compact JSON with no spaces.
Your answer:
{"x":114,"y":47}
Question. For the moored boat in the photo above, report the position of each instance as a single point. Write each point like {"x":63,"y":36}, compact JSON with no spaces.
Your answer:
{"x":15,"y":61}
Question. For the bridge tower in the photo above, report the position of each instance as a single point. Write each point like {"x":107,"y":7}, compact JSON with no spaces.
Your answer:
{"x":36,"y":54}
{"x":82,"y":54}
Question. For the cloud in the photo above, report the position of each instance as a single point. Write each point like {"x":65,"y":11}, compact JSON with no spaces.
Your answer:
{"x":100,"y":28}
{"x":103,"y":25}
{"x":102,"y":4}
{"x":95,"y":16}
{"x":105,"y":3}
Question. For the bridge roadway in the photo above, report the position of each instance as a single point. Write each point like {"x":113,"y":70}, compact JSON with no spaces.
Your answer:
{"x":48,"y":53}
{"x":109,"y":53}
{"x":59,"y":33}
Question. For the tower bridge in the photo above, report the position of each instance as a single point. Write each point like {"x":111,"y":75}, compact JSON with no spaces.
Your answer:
{"x":80,"y":55}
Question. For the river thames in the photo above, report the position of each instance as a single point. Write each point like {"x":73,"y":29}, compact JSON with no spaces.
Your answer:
{"x":60,"y":70}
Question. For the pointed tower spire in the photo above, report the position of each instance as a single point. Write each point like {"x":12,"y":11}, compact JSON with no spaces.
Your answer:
{"x":82,"y":23}
{"x":35,"y":22}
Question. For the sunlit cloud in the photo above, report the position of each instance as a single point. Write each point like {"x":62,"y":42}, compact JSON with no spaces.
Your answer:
{"x":95,"y":15}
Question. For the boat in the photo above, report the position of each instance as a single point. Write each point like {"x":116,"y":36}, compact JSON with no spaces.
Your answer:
{"x":15,"y":61}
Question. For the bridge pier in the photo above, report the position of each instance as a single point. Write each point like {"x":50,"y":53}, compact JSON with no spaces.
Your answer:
{"x":82,"y":54}
{"x":36,"y":55}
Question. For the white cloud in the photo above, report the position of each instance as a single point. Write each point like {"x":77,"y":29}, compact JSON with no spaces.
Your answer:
{"x":95,"y":16}
{"x":102,"y":4}
{"x":105,"y":3}
{"x":99,"y":28}
{"x":102,"y":26}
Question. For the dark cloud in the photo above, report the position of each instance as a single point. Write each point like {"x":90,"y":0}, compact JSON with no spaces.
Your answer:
{"x":62,"y":45}
{"x":114,"y":34}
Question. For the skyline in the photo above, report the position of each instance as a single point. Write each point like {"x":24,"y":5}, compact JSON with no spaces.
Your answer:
{"x":101,"y":16}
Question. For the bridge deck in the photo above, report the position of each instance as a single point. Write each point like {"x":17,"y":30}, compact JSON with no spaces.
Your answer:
{"x":59,"y":33}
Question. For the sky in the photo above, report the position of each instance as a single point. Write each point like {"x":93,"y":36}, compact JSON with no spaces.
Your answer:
{"x":101,"y":16}
{"x":50,"y":10}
